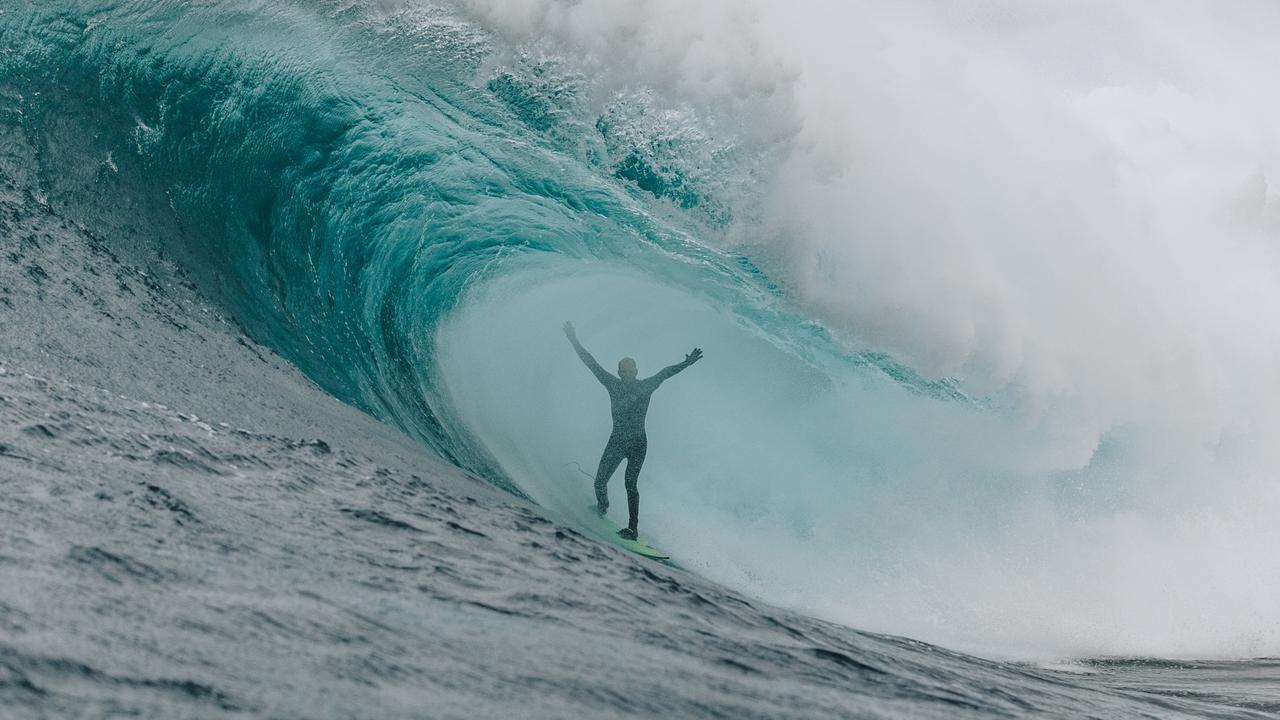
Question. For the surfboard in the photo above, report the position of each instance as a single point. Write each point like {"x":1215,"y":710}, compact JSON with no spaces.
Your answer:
{"x":608,"y":530}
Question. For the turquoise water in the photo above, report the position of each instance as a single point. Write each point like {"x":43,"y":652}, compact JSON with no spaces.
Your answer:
{"x":396,"y":203}
{"x":342,"y":184}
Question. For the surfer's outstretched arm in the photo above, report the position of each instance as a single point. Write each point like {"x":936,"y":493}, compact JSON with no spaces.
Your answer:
{"x":601,"y":374}
{"x":670,"y":370}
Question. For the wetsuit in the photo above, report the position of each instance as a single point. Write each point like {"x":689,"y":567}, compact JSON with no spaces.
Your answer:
{"x":629,"y":401}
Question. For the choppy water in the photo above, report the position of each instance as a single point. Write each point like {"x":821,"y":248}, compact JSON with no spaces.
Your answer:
{"x":285,"y":418}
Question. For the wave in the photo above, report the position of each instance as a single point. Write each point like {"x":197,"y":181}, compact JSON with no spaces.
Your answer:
{"x":902,"y":422}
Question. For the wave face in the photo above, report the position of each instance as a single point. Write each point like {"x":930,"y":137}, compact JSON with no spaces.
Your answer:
{"x":988,"y":349}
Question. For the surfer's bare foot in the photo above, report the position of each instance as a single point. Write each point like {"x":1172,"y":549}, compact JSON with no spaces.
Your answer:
{"x":627,"y":534}
{"x":601,"y":510}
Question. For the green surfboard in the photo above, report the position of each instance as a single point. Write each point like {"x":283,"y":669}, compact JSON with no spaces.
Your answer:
{"x":608,"y":529}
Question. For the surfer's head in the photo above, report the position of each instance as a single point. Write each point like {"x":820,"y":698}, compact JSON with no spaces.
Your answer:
{"x":627,"y":369}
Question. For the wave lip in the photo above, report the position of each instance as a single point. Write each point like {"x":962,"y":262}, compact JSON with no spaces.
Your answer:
{"x":363,"y":195}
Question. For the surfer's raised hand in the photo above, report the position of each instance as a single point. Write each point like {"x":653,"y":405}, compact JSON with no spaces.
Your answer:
{"x":568,"y":330}
{"x":689,"y":359}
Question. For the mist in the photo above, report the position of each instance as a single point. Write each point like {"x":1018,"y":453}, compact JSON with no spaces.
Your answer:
{"x":1069,"y":211}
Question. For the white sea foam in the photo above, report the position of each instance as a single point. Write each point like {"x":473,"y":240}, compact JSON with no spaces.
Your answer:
{"x":1072,"y":210}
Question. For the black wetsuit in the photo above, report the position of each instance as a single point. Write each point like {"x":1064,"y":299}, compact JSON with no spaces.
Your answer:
{"x":629,"y":401}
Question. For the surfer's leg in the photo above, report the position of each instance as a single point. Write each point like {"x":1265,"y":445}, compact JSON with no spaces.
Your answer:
{"x":635,"y":461}
{"x":609,"y":460}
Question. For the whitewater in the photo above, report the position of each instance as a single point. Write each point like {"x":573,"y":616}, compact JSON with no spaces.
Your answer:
{"x":987,"y":290}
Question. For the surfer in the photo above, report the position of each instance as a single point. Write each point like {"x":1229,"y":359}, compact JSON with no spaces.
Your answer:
{"x":629,"y":402}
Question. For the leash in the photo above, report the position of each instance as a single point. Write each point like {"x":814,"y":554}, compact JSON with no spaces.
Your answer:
{"x":579,"y":468}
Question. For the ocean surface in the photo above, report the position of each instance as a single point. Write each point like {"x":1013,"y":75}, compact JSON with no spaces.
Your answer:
{"x":288,"y":428}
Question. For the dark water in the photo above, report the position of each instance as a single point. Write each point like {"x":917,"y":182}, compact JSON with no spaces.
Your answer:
{"x":200,"y":515}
